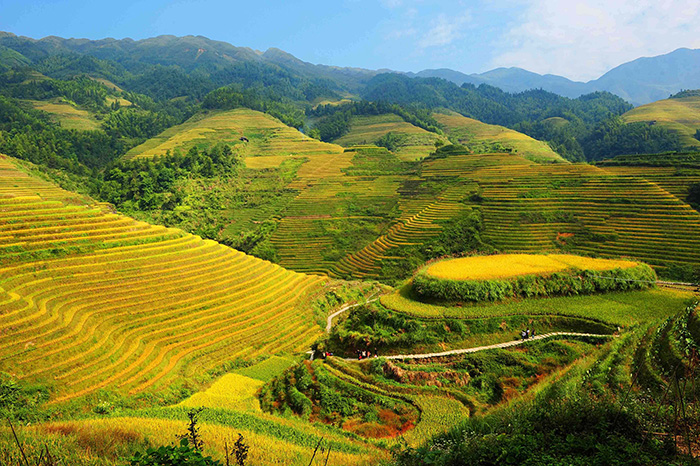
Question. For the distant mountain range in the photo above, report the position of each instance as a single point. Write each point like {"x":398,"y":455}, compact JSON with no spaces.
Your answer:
{"x":640,"y":81}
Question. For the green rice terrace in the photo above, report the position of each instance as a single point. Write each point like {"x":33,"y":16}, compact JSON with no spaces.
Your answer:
{"x":423,"y":289}
{"x":366,"y":212}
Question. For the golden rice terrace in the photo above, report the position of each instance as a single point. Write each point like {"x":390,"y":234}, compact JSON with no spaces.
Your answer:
{"x":93,"y":300}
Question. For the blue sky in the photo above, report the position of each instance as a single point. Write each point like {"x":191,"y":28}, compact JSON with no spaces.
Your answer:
{"x":577,"y":39}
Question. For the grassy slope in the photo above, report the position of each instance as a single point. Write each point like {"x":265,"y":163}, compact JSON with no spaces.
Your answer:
{"x":495,"y":323}
{"x":417,"y":143}
{"x":679,"y":115}
{"x":267,"y":137}
{"x":474,"y":133}
{"x":618,"y":308}
{"x":68,"y":115}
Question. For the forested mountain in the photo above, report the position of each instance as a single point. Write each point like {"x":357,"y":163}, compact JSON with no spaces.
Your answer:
{"x":208,"y":64}
{"x":640,"y":81}
{"x":579,"y":129}
{"x":166,"y":79}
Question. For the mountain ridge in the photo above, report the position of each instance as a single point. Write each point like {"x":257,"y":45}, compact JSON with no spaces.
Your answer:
{"x":640,"y":81}
{"x":671,"y":72}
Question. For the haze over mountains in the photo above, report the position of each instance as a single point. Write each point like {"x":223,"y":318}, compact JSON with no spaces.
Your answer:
{"x":640,"y":81}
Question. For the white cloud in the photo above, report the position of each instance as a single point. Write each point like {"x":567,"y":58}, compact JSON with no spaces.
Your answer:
{"x":401,"y":33}
{"x":391,"y":3}
{"x":584,"y":39}
{"x":444,"y":30}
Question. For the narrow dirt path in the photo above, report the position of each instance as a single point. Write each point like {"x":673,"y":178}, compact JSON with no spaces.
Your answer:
{"x":329,"y":319}
{"x":507,"y":344}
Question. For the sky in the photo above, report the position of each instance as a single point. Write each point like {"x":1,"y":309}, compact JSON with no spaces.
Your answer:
{"x":580,"y":40}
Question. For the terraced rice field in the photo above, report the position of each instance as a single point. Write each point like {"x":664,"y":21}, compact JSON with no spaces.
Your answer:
{"x":478,"y":136}
{"x":266,"y":136}
{"x":68,"y":115}
{"x":93,"y":300}
{"x":530,"y":207}
{"x":413,"y":229}
{"x":272,"y":440}
{"x":538,"y":207}
{"x":679,"y":115}
{"x":351,"y":208}
{"x":417,"y":142}
{"x":19,"y":184}
{"x":674,"y":180}
{"x":347,"y":188}
{"x":513,"y":265}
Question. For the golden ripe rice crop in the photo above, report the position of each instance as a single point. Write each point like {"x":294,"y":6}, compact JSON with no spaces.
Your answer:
{"x":231,"y":391}
{"x":513,"y":265}
{"x":93,"y":300}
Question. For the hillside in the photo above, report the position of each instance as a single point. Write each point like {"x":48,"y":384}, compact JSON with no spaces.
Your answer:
{"x":123,"y":315}
{"x":370,"y":212}
{"x":109,"y":303}
{"x":268,"y":143}
{"x":679,"y":114}
{"x":231,"y":256}
{"x":68,"y":115}
{"x":407,"y":141}
{"x":481,"y":137}
{"x":676,"y":173}
{"x":577,"y":207}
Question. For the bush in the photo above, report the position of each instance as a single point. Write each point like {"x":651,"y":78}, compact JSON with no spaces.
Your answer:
{"x":568,"y":283}
{"x":182,"y":455}
{"x":694,"y":195}
{"x":299,"y":402}
{"x":568,"y":431}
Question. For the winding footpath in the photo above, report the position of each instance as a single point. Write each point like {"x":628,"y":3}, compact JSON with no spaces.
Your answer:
{"x":507,"y":344}
{"x":329,"y":320}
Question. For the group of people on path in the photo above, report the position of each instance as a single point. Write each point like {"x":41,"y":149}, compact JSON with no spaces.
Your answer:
{"x":364,"y":354}
{"x":525,"y":334}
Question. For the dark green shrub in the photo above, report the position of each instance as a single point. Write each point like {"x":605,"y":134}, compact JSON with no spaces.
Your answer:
{"x":567,"y":283}
{"x":181,"y":455}
{"x":299,"y":402}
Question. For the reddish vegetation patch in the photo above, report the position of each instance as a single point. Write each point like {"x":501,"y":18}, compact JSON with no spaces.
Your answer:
{"x":436,"y":379}
{"x":99,"y":440}
{"x":367,"y":429}
{"x":562,"y":237}
{"x":390,"y":425}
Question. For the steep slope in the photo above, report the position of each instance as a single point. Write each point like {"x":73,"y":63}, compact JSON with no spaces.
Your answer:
{"x":678,"y":114}
{"x":410,"y":142}
{"x":68,"y":115}
{"x":93,"y":300}
{"x":576,"y":207}
{"x":256,"y":136}
{"x":532,"y":207}
{"x":353,"y":212}
{"x":479,"y":136}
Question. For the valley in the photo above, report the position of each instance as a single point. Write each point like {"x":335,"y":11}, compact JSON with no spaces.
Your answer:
{"x":239,"y":256}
